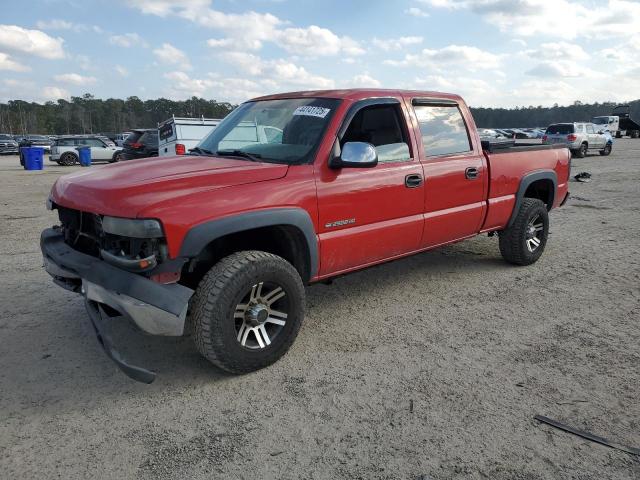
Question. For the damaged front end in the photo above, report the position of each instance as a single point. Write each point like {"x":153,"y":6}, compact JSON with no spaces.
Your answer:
{"x":118,"y":266}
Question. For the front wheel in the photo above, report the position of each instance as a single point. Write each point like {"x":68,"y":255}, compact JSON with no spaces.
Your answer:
{"x":117,"y":157}
{"x":247,"y":311}
{"x":606,"y":150}
{"x":68,"y":159}
{"x":523,"y":242}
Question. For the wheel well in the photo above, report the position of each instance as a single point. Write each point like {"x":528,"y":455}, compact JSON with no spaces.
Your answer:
{"x":285,"y":241}
{"x":542,"y":190}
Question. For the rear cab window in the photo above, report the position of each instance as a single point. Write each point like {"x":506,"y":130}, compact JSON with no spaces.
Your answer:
{"x":443,"y":129}
{"x":560,"y":129}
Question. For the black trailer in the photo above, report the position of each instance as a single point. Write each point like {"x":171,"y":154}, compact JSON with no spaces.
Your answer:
{"x":627,"y":125}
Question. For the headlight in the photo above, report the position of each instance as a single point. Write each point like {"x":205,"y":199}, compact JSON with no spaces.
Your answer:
{"x":133,"y":228}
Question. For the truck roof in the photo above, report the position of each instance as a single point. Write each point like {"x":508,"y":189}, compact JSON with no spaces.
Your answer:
{"x":359,"y":94}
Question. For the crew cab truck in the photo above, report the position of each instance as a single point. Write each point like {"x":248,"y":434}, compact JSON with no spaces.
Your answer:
{"x":221,"y":242}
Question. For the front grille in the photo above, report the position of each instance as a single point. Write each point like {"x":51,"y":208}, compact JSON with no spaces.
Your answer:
{"x":82,"y":230}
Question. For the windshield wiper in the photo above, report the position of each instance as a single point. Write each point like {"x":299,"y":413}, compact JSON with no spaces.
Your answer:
{"x":254,"y":157}
{"x":200,"y":151}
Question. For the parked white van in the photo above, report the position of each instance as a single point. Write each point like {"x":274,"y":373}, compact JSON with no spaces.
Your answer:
{"x":177,"y":135}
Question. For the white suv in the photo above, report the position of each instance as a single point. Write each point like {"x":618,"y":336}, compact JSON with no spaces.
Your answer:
{"x":64,"y":150}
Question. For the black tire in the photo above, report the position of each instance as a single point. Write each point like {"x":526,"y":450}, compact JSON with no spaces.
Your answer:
{"x":606,"y":150}
{"x":618,"y":134}
{"x":117,"y":157}
{"x":68,"y":159}
{"x":634,"y":134}
{"x":514,"y":239}
{"x":581,"y":152}
{"x":223,"y":288}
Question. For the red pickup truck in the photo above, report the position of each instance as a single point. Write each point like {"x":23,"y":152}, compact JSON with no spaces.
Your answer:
{"x":288,"y":190}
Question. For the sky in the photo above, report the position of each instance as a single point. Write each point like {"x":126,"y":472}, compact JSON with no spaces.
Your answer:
{"x":495,"y":53}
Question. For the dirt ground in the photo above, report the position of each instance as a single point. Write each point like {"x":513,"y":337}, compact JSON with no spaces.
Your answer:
{"x":431,"y":367}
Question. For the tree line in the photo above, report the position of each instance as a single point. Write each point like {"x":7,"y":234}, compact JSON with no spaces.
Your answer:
{"x":87,"y":114}
{"x":544,"y":116}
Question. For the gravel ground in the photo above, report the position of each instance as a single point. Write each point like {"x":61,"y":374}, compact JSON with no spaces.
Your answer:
{"x":431,"y":367}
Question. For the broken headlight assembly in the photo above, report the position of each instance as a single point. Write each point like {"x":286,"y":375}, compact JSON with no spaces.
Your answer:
{"x":136,"y":245}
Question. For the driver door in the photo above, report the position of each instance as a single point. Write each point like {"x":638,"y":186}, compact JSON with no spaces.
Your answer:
{"x":367,"y":215}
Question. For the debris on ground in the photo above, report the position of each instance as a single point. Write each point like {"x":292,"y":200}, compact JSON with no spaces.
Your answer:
{"x":588,"y":436}
{"x":583,"y":177}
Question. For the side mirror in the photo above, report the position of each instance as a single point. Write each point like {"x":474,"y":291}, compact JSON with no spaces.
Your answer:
{"x":356,"y":155}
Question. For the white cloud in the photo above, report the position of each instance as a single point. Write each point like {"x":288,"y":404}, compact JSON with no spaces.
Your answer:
{"x":388,"y":44}
{"x":559,"y":18}
{"x":54,"y":24}
{"x":364,"y":80}
{"x":453,"y":56}
{"x":123,"y":72}
{"x":316,"y":41}
{"x":281,"y":71}
{"x":127,"y":40}
{"x":75,"y":79}
{"x":170,"y":55}
{"x":416,"y":12}
{"x":250,"y":30}
{"x":187,"y":85}
{"x":7,"y":63}
{"x":31,"y":42}
{"x":53,"y":93}
{"x":558,"y":51}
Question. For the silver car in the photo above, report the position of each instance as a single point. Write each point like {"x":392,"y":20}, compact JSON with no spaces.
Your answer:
{"x":580,"y":138}
{"x":64,"y":150}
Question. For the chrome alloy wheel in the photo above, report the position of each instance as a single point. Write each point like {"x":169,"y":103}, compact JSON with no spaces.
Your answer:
{"x":261,"y":315}
{"x":534,"y":233}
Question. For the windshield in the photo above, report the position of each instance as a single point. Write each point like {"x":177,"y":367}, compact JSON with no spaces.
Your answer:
{"x":282,"y":131}
{"x":601,"y":120}
{"x":6,"y":137}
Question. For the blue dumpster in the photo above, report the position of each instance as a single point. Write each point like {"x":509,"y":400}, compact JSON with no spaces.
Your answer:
{"x":33,"y":158}
{"x":84,"y":153}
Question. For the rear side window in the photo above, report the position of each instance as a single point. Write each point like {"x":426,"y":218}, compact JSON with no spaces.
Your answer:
{"x":443,"y":130}
{"x":166,"y":131}
{"x":149,"y":138}
{"x":560,"y":129}
{"x":66,"y":142}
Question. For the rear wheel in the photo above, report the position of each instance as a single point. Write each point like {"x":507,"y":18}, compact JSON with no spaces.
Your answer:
{"x":523,"y":242}
{"x":606,"y":150}
{"x":247,"y":311}
{"x":582,"y":151}
{"x":634,"y":134}
{"x":67,"y":159}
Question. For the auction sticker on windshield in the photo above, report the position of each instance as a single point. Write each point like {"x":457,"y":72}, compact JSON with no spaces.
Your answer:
{"x":309,"y":111}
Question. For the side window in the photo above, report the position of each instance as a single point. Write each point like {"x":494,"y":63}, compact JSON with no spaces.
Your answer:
{"x":443,"y":130}
{"x":383,"y":127}
{"x":590,"y":129}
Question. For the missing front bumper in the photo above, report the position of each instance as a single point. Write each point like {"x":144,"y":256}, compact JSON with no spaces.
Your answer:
{"x":111,"y":293}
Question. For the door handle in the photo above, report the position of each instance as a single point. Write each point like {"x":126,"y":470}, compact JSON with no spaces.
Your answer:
{"x":471,"y":173}
{"x":412,"y":181}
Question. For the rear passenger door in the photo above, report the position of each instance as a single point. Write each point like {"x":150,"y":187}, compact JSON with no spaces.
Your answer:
{"x":455,"y":172}
{"x":371,"y":214}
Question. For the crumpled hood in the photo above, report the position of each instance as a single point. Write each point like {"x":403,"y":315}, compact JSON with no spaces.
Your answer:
{"x":124,"y":189}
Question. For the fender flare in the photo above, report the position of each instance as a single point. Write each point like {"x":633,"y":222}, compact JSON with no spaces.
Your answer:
{"x":526,"y":181}
{"x":201,"y":235}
